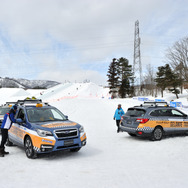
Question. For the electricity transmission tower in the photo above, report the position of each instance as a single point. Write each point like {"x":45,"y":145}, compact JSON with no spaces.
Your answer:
{"x":137,"y":66}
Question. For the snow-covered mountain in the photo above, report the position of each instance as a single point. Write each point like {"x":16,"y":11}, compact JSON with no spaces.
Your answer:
{"x":26,"y":84}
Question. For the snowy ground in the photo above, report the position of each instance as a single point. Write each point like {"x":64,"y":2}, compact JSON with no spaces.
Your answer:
{"x":109,"y":160}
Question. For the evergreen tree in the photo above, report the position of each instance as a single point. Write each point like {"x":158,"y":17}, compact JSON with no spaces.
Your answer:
{"x":167,"y":78}
{"x":161,"y":78}
{"x":125,"y":78}
{"x":174,"y":81}
{"x":124,"y":88}
{"x":113,"y":78}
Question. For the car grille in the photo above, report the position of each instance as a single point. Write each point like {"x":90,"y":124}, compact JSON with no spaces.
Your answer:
{"x":74,"y":145}
{"x":66,"y":133}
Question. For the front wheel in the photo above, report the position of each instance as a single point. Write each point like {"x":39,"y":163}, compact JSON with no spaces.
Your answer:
{"x":157,"y":134}
{"x":29,"y":148}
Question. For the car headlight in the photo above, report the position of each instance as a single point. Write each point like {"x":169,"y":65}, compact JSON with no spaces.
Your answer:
{"x":43,"y":133}
{"x":81,"y":129}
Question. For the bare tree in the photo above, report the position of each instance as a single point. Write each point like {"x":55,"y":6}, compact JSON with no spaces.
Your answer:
{"x":149,"y":80}
{"x":177,"y":57}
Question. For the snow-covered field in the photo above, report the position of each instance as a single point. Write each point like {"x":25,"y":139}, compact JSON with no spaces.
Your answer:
{"x":109,"y":160}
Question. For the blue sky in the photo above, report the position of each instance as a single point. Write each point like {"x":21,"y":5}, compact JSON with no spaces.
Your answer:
{"x":77,"y":39}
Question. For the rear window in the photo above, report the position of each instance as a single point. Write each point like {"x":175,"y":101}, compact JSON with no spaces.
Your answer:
{"x":3,"y":111}
{"x":167,"y":112}
{"x":134,"y":112}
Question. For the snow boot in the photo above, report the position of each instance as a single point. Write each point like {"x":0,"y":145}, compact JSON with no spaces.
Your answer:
{"x":9,"y":143}
{"x":1,"y":152}
{"x":5,"y":152}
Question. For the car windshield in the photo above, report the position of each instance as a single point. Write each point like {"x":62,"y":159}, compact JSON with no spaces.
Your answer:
{"x":134,"y":112}
{"x":3,"y":111}
{"x":44,"y":114}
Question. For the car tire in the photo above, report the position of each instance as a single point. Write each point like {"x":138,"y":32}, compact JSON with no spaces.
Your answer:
{"x":131,"y":134}
{"x":29,"y":148}
{"x":75,"y":149}
{"x":157,"y":134}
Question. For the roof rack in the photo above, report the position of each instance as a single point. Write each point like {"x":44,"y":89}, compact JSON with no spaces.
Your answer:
{"x":29,"y":101}
{"x":8,"y":103}
{"x":154,"y":103}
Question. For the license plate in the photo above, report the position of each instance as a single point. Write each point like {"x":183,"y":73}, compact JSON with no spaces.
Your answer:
{"x":68,"y":142}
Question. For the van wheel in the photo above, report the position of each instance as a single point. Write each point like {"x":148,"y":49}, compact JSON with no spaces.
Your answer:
{"x":29,"y":148}
{"x":157,"y":134}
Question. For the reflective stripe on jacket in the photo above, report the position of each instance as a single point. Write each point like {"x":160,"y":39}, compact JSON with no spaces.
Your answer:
{"x":7,"y":121}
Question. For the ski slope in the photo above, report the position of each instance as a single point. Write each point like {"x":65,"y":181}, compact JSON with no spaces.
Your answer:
{"x":109,"y":160}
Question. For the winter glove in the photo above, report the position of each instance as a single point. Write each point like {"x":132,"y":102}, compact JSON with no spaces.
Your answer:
{"x":114,"y":118}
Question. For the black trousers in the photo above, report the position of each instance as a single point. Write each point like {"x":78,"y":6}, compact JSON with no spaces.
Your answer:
{"x":4,"y":134}
{"x":117,"y":123}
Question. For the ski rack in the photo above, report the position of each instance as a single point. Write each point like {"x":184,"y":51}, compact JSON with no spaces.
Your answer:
{"x":154,"y":104}
{"x":29,"y":101}
{"x":32,"y":102}
{"x":10,"y":103}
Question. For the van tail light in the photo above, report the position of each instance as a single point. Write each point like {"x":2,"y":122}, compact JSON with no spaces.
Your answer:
{"x":142,"y":120}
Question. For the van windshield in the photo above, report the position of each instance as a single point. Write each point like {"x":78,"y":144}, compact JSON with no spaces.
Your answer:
{"x":44,"y":114}
{"x":134,"y":112}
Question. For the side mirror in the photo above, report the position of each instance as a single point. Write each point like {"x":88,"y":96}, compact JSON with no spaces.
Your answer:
{"x":19,"y":121}
{"x":66,"y":117}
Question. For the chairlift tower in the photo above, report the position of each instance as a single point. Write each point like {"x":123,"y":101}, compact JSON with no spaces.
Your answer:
{"x":137,"y":66}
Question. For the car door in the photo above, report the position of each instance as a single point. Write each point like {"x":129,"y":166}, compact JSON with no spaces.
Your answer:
{"x":17,"y":131}
{"x":177,"y":120}
{"x":171,"y":120}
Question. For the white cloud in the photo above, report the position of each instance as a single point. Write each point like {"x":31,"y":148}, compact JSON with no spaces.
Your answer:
{"x":62,"y":35}
{"x":74,"y":75}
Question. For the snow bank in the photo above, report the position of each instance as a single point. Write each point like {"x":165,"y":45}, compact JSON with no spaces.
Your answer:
{"x":108,"y":160}
{"x":75,"y":90}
